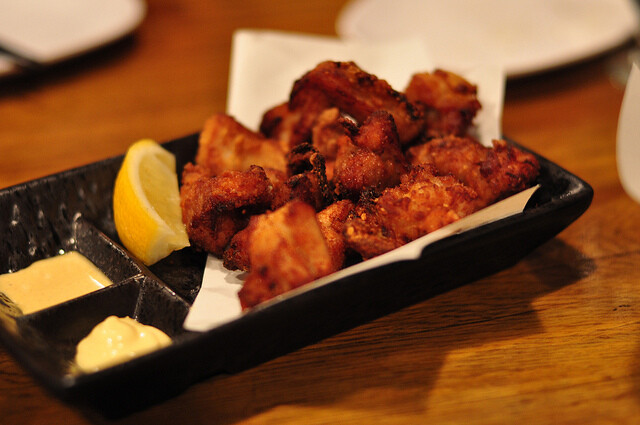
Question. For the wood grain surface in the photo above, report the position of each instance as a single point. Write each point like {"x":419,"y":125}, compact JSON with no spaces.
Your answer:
{"x":554,"y":339}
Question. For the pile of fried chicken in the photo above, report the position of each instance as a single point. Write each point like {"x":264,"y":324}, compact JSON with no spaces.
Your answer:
{"x":347,"y":169}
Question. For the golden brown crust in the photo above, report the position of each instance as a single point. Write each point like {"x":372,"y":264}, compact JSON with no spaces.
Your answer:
{"x":420,"y":204}
{"x":214,"y":208}
{"x":280,"y":192}
{"x":332,"y":220}
{"x":308,"y":181}
{"x":292,"y":126}
{"x":329,"y":132}
{"x":373,"y":161}
{"x":494,"y":173}
{"x":286,"y":250}
{"x":449,"y":102}
{"x":356,"y":93}
{"x":226,"y":145}
{"x":236,"y":254}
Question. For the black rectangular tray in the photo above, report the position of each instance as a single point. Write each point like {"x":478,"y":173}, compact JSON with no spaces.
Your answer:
{"x":72,"y":211}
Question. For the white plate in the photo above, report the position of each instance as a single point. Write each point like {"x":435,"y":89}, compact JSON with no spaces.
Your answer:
{"x":628,"y":137}
{"x":47,"y":31}
{"x":525,"y":36}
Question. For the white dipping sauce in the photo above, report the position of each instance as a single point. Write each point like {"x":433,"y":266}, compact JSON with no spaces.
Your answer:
{"x":116,"y":340}
{"x":52,"y":281}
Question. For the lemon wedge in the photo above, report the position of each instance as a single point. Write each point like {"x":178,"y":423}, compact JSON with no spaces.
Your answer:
{"x":146,"y":203}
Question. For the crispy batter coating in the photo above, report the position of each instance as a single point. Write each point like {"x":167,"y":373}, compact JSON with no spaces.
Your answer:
{"x":280,"y":192}
{"x":493,"y":173}
{"x":292,"y":126}
{"x":449,"y":102}
{"x":214,"y":208}
{"x":273,"y":121}
{"x":356,"y":93}
{"x":308,"y":180}
{"x":331,"y":221}
{"x":373,"y":161}
{"x":287,"y":250}
{"x":329,"y":132}
{"x":236,"y":254}
{"x":308,"y":183}
{"x":226,"y":145}
{"x":421,"y":203}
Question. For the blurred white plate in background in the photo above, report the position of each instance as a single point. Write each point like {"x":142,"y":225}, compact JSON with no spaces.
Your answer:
{"x":49,"y":31}
{"x":525,"y":36}
{"x":628,"y":137}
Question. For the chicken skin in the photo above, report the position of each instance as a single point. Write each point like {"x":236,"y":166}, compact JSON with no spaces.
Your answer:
{"x":330,"y":131}
{"x":331,"y":221}
{"x":494,"y":173}
{"x":286,"y":250}
{"x":372,"y":160}
{"x":226,"y":145}
{"x":449,"y":102}
{"x":423,"y":202}
{"x":214,"y":208}
{"x":355,"y":93}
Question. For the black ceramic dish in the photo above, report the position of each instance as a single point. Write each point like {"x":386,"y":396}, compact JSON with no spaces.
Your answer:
{"x":72,"y":211}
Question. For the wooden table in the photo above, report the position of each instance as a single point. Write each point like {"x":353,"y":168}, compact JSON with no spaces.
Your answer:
{"x":554,"y":339}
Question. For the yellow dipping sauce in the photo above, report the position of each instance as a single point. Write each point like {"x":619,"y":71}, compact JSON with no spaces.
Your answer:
{"x":116,"y":340}
{"x":52,"y":281}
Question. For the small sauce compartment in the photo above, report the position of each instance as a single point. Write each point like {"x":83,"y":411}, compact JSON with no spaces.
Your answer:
{"x":112,"y":260}
{"x":39,"y":217}
{"x":54,"y":215}
{"x":49,"y":282}
{"x":94,"y":246}
{"x":49,"y":337}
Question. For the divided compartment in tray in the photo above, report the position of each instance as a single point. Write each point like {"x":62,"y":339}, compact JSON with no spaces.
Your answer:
{"x":52,"y":334}
{"x":85,"y":239}
{"x":46,"y":340}
{"x":40,"y":218}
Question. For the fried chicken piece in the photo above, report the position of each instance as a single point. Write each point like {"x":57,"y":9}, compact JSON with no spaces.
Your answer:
{"x":373,"y":161}
{"x":331,"y":221}
{"x":329,"y":132}
{"x":287,"y":250}
{"x":494,"y":173}
{"x":280,"y":192}
{"x":329,"y":128}
{"x":226,"y":145}
{"x":449,"y":102}
{"x":273,"y":121}
{"x":308,"y":183}
{"x":308,"y":180}
{"x":236,"y":254}
{"x":293,"y":126}
{"x":355,"y":93}
{"x":214,"y":208}
{"x":421,"y":203}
